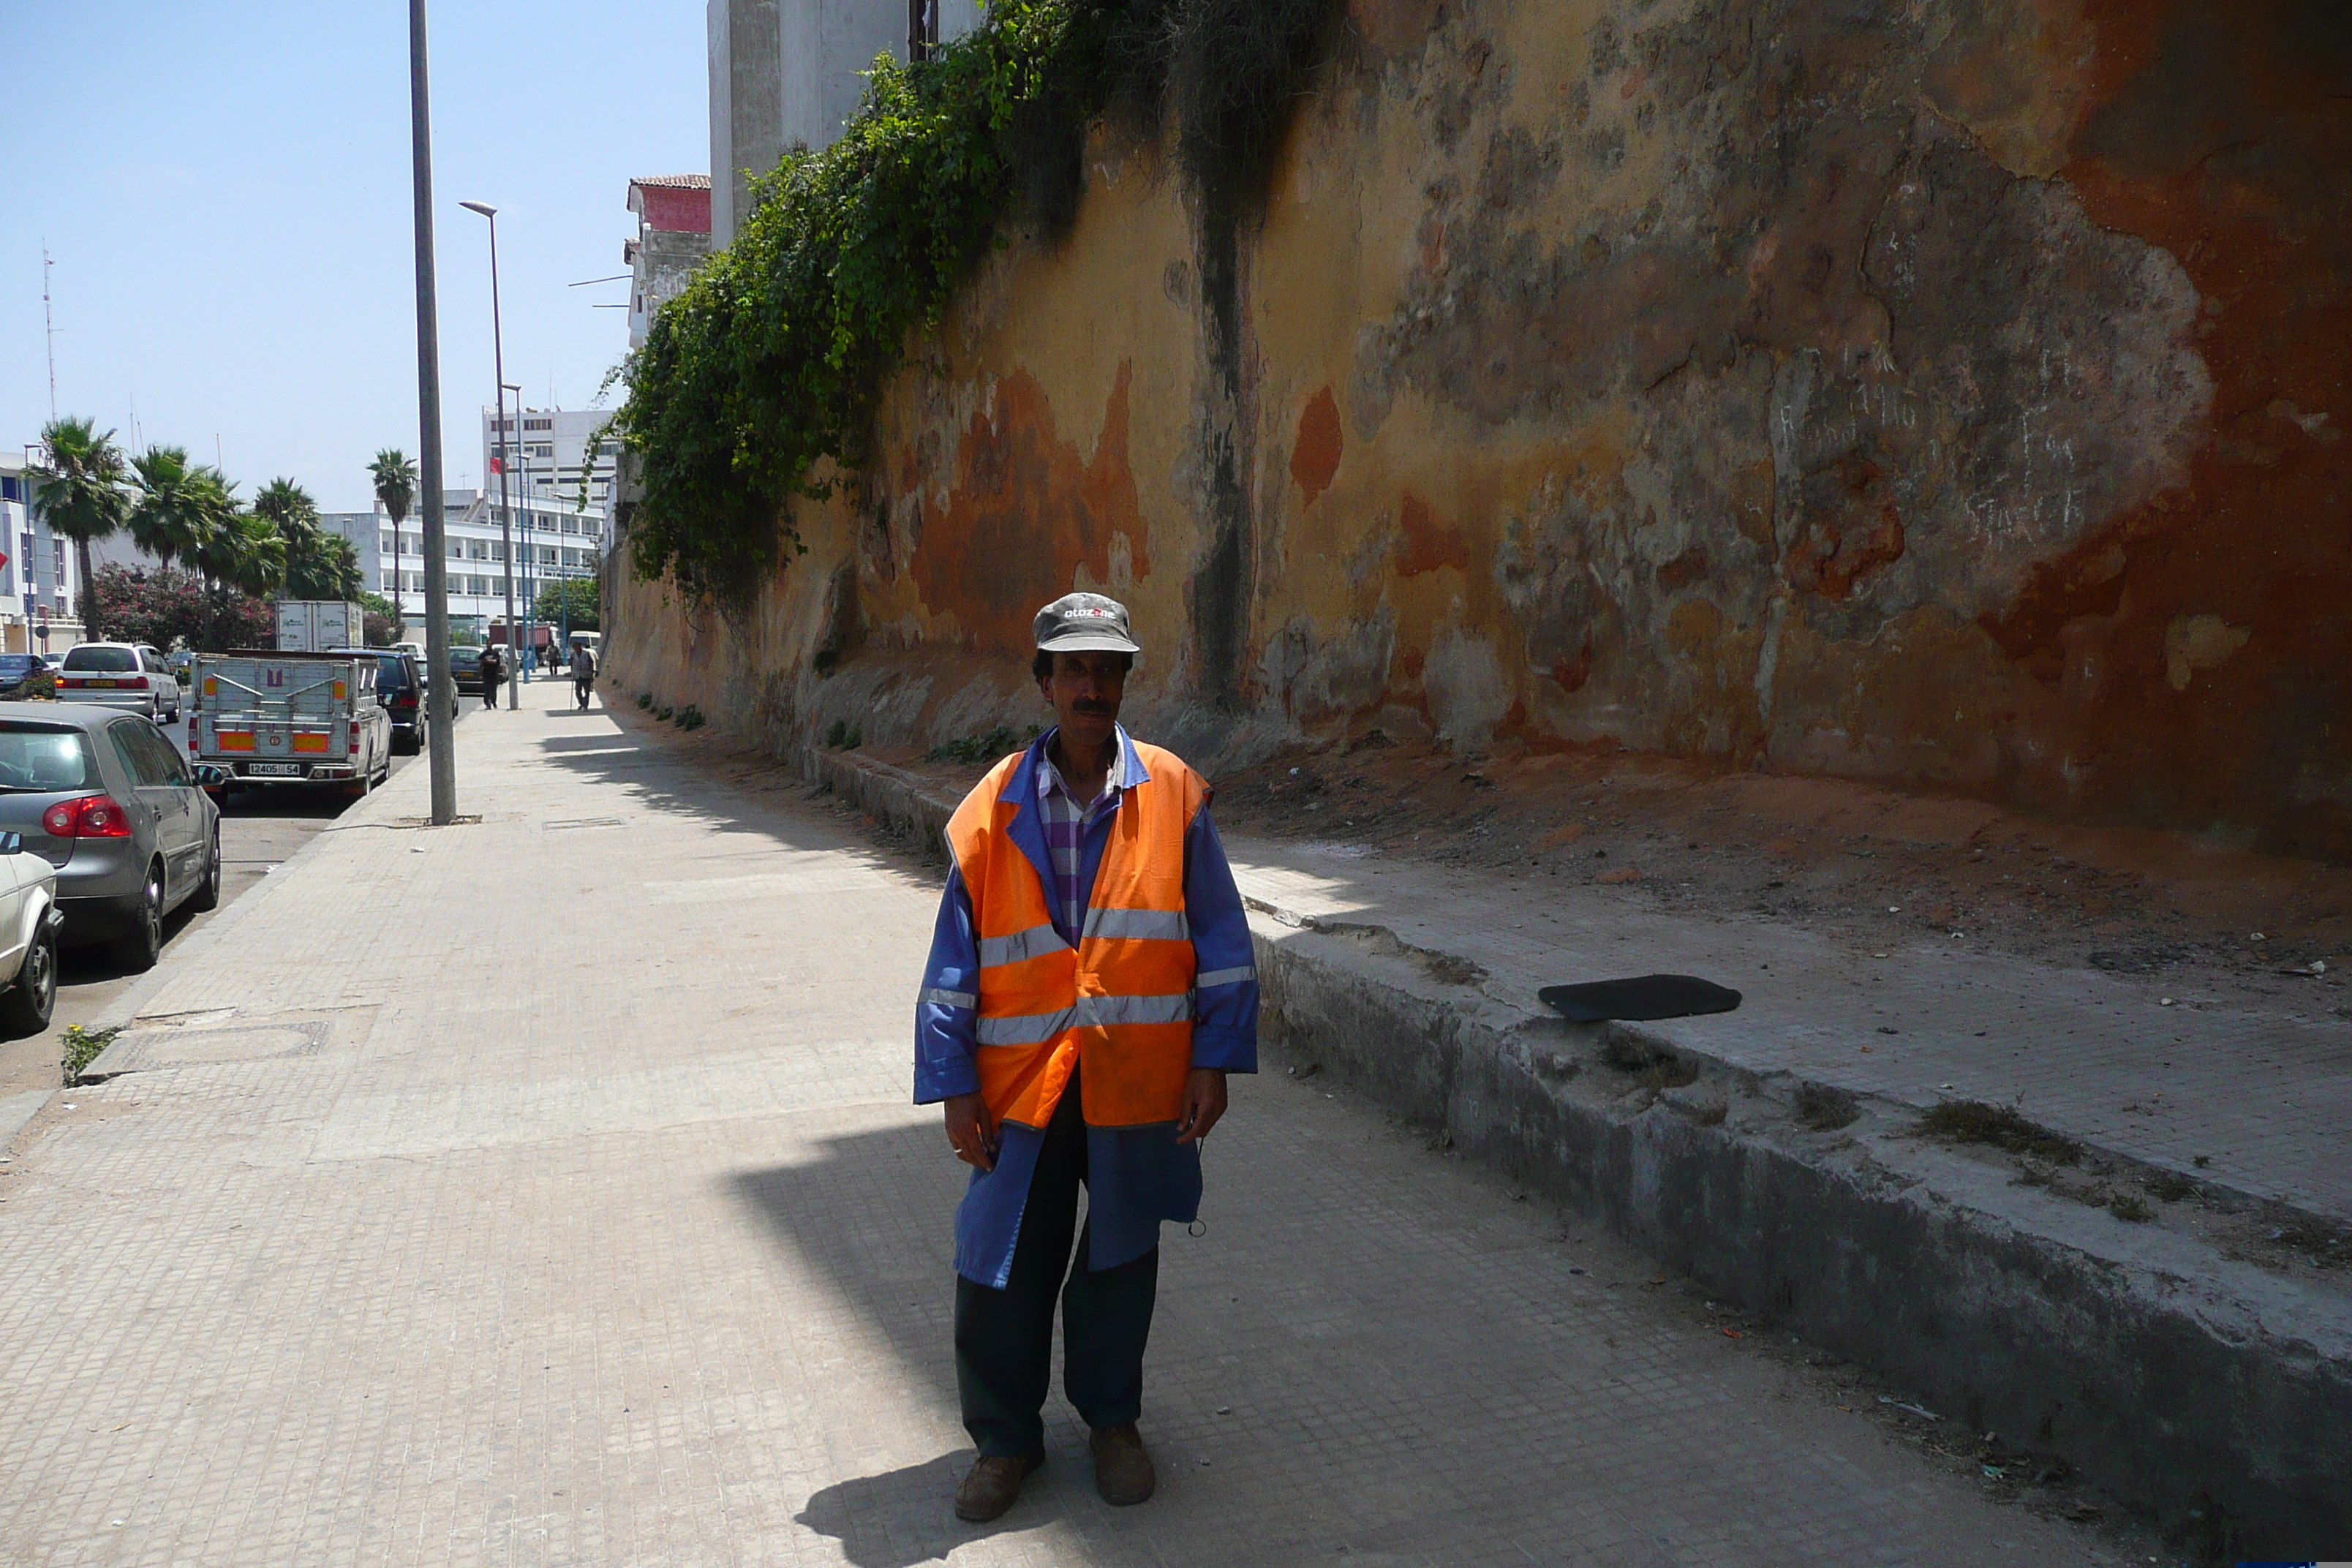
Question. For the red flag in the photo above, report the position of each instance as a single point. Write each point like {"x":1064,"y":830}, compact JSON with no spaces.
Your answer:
{"x":498,"y":465}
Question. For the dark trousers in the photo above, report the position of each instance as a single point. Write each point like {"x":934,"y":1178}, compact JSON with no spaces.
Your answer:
{"x":1004,"y":1339}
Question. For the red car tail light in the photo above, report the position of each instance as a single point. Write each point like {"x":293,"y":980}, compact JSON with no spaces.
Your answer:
{"x":132,"y":683}
{"x":87,"y":816}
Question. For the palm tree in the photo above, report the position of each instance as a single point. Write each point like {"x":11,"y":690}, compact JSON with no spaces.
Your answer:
{"x":310,"y":560}
{"x":81,"y":494}
{"x":287,"y":505}
{"x":395,"y":487}
{"x":256,"y":556}
{"x":338,"y":568}
{"x":172,"y":510}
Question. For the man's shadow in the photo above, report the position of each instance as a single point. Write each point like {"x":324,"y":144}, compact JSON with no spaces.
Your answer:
{"x":898,"y":1518}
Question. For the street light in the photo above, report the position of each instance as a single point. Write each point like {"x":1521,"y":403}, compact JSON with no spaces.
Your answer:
{"x":529,"y":566}
{"x":441,"y":703}
{"x":506,"y":452}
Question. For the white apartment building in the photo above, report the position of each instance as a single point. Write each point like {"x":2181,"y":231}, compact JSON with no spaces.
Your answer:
{"x":549,"y":454}
{"x":38,"y":586}
{"x":552,"y":541}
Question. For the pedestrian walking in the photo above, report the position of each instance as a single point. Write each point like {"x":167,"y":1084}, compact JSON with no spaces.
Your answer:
{"x":1089,"y":986}
{"x":583,"y":673}
{"x":493,"y":670}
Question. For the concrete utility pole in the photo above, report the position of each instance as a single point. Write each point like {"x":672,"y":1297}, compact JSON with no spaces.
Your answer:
{"x":441,"y":690}
{"x":506,"y":454}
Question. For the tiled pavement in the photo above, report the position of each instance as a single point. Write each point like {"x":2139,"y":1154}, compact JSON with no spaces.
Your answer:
{"x":433,"y":1229}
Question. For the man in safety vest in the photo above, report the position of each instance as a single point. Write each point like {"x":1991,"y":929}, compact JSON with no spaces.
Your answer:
{"x":1090,"y":985}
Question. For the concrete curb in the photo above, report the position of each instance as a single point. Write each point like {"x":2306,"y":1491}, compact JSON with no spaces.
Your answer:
{"x":2212,"y":1396}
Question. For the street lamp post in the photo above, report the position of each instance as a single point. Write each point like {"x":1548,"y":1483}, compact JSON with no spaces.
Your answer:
{"x":506,"y":454}
{"x":529,"y":566}
{"x":442,"y":697}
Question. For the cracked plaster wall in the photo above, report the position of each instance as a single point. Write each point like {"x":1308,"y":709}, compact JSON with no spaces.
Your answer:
{"x":1948,"y":395}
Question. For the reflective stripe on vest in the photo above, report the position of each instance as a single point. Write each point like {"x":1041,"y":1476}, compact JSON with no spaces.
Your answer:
{"x":1121,"y":1001}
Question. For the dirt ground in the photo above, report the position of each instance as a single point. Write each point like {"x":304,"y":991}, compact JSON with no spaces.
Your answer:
{"x":1862,"y":865}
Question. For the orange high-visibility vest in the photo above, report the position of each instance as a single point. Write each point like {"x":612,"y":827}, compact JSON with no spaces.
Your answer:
{"x":1120,"y":1004}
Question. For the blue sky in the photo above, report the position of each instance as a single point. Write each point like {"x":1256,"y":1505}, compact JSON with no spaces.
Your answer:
{"x":225,"y":190}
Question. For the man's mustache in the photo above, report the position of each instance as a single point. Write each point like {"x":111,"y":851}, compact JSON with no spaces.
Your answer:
{"x":1091,"y":707}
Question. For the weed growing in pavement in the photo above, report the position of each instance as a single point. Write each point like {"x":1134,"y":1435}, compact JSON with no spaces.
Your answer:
{"x":664,"y":713}
{"x":843,"y":736}
{"x":1969,"y":1121}
{"x":645,"y":699}
{"x":690,"y":717}
{"x":81,"y":1048}
{"x":1825,"y":1110}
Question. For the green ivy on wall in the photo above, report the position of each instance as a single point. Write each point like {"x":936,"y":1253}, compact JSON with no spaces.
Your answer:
{"x":769,"y":365}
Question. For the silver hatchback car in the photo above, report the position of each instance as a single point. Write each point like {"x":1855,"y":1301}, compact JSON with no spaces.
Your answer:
{"x":107,"y":799}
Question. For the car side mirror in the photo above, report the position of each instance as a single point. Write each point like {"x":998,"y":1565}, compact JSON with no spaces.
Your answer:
{"x":12,"y":842}
{"x":211,"y":776}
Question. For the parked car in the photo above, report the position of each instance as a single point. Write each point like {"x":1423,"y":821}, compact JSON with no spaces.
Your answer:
{"x":466,"y":669}
{"x":24,"y":675}
{"x":29,"y":920}
{"x":106,"y":800}
{"x":120,"y":675}
{"x":400,"y":687}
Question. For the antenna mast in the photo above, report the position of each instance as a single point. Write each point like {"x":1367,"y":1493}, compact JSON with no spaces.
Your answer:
{"x":49,"y":321}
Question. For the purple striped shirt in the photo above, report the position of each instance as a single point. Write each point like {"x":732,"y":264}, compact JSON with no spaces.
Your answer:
{"x":1065,"y":820}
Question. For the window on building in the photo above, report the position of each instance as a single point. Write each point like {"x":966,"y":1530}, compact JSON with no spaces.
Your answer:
{"x":922,"y":29}
{"x":539,"y":425}
{"x":12,"y":487}
{"x":384,"y":541}
{"x":58,"y":562}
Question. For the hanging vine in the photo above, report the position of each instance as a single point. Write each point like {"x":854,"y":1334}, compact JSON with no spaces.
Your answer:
{"x":768,"y":367}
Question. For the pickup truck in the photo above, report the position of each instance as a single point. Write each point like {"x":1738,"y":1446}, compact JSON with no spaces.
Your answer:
{"x":281,"y":718}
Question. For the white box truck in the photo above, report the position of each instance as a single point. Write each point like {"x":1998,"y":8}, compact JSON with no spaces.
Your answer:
{"x":314,"y":626}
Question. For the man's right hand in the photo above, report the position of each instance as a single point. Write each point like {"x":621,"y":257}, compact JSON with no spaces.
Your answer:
{"x":972,"y":1131}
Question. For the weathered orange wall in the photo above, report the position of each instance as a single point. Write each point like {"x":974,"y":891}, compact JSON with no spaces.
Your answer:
{"x":1945,"y":393}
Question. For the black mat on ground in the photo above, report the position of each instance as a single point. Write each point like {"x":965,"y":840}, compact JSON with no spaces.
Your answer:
{"x":1645,"y":997}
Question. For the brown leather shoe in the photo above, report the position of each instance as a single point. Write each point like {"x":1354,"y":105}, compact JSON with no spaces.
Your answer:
{"x":1122,"y":1470}
{"x":992,"y":1485}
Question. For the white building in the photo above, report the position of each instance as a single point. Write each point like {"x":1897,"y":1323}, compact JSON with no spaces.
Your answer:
{"x":39,"y":586}
{"x":790,"y":73}
{"x":552,"y":540}
{"x":549,"y":455}
{"x":673,"y":236}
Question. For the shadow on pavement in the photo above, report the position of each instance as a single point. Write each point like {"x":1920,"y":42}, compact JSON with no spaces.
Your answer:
{"x":878,"y":1520}
{"x":734,"y":793}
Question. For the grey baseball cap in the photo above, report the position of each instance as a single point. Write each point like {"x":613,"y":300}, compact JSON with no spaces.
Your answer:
{"x":1081,"y":623}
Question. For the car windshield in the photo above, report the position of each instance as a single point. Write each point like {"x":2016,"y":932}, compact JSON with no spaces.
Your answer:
{"x":17,"y":663}
{"x":88,"y":657}
{"x":41,"y":758}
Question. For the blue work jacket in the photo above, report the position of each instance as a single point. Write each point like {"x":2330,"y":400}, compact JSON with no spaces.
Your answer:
{"x":1136,"y":1176}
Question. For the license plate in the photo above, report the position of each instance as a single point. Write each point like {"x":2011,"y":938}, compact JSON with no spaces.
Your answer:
{"x":276,"y":769}
{"x":109,"y":684}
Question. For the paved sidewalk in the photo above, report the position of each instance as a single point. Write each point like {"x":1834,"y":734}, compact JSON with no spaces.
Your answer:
{"x":407,"y":1243}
